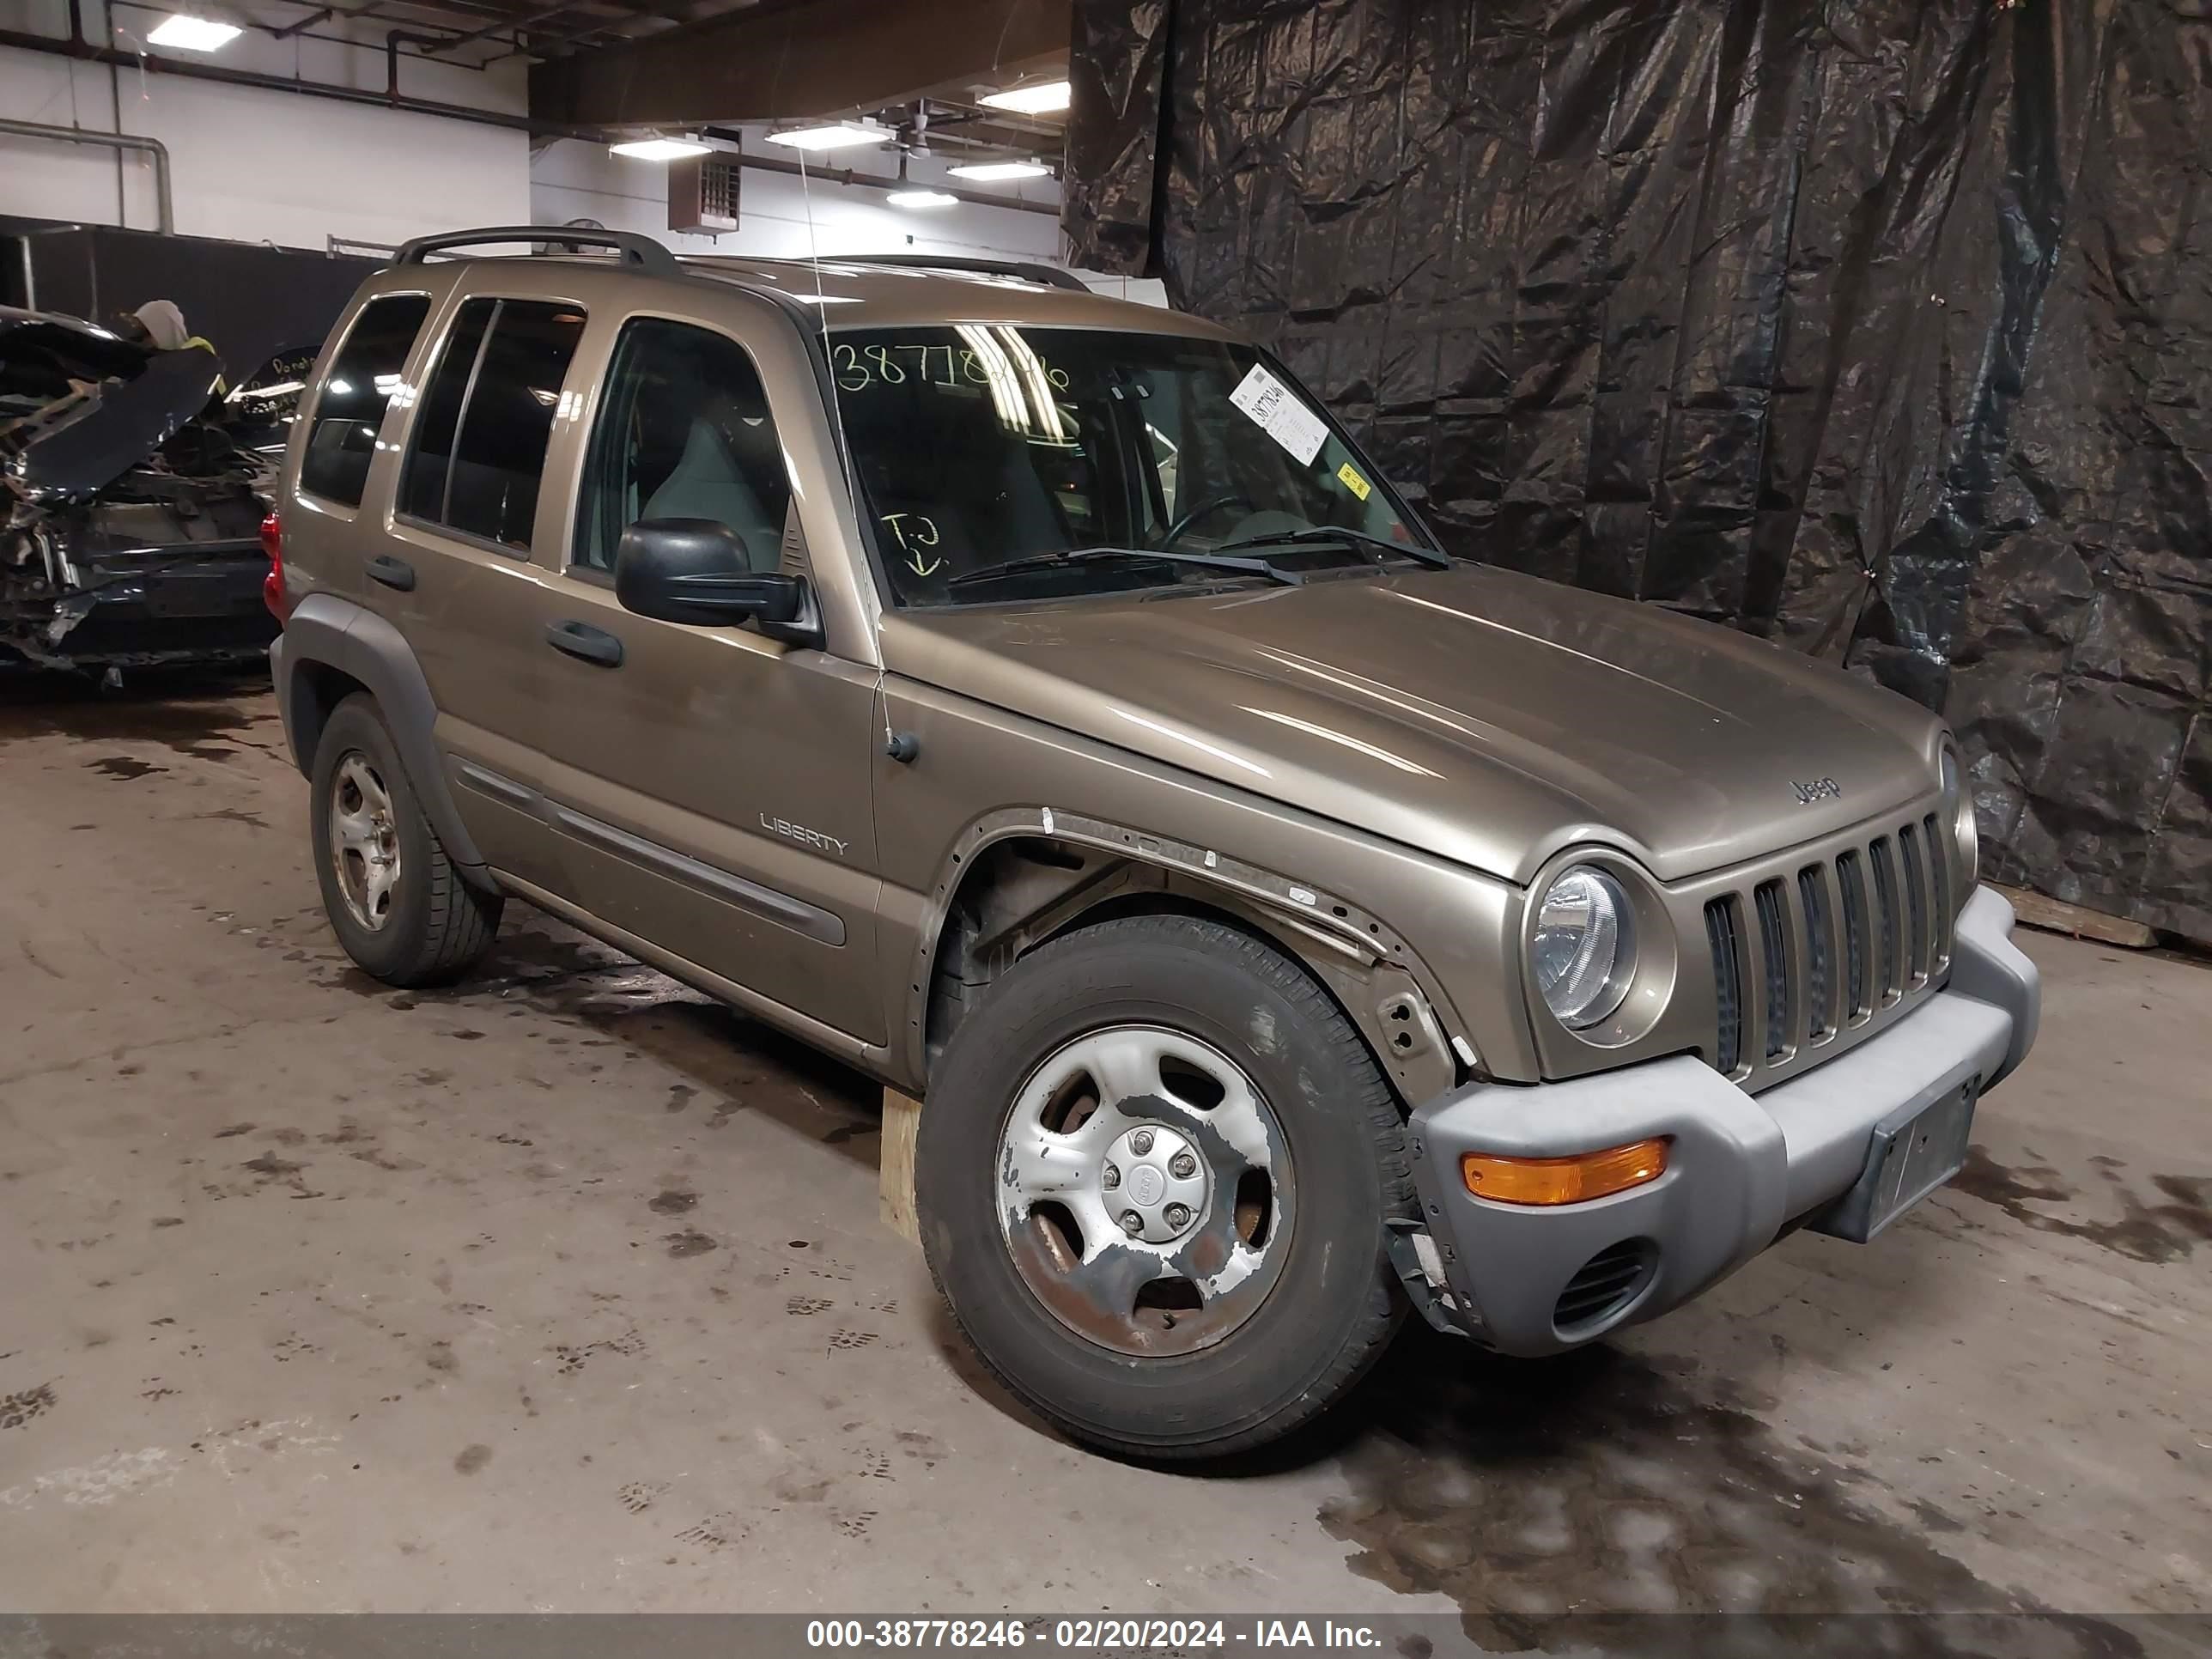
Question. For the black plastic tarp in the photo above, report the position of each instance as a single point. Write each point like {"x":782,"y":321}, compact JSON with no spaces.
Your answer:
{"x":1881,"y":329}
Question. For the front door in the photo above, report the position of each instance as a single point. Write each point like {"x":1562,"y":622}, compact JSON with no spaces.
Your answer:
{"x":710,"y":786}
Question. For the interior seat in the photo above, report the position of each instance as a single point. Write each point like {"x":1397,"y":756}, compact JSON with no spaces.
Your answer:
{"x":706,"y":482}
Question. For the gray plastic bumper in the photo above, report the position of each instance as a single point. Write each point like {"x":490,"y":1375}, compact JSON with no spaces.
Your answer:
{"x":1739,"y":1169}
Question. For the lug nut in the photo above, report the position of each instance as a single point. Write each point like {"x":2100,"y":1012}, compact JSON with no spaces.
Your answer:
{"x":1141,"y":1142}
{"x":1131,"y":1223}
{"x":1113,"y":1177}
{"x":1177,"y":1216}
{"x":1183,"y":1166}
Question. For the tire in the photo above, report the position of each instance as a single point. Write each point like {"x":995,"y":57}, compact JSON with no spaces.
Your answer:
{"x":430,"y":927}
{"x":1177,"y":984}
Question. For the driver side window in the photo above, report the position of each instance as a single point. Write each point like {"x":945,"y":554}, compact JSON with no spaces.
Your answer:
{"x":684,"y":433}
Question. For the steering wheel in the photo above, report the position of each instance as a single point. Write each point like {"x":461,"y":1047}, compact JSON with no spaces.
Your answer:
{"x":1177,"y":529}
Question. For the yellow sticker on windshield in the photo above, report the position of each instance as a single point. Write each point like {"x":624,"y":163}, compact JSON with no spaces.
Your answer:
{"x":1351,"y":481}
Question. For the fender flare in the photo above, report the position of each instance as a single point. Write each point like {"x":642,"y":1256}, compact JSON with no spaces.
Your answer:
{"x":338,"y":633}
{"x":1336,"y":941}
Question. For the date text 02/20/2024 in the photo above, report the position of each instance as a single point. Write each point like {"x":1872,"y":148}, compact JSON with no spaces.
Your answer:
{"x":1089,"y":1633}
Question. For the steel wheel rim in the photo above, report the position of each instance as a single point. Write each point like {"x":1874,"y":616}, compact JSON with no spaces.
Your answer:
{"x":364,"y":842}
{"x":1105,"y":1138}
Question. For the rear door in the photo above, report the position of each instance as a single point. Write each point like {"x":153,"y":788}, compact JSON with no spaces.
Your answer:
{"x":712,"y":786}
{"x":454,"y":570}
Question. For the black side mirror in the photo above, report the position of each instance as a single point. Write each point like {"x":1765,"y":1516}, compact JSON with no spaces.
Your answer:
{"x":695,"y":570}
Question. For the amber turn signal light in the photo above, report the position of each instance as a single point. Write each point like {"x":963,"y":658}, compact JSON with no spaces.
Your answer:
{"x":1562,"y":1180}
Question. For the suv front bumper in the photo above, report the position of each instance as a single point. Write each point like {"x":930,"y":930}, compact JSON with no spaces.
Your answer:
{"x":1740,"y":1168}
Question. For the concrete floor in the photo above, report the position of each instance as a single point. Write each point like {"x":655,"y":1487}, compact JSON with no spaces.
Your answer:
{"x":566,"y":1292}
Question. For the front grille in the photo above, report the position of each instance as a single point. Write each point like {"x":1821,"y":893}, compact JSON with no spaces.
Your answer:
{"x":1728,"y":984}
{"x":1856,"y":957}
{"x":1888,"y":981}
{"x":1604,"y":1285}
{"x":1820,"y":946}
{"x":1774,"y":948}
{"x":1939,"y":867}
{"x":1916,"y":926}
{"x":1818,"y":951}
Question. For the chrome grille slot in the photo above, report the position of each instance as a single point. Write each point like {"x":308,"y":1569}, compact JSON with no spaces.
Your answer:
{"x":1774,"y":958}
{"x":1916,"y":904}
{"x":1720,"y":931}
{"x":1820,"y":948}
{"x":1852,"y":884}
{"x":1939,"y":871}
{"x":1888,"y":983}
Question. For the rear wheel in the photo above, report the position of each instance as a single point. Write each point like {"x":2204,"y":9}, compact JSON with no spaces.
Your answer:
{"x":393,"y":897}
{"x":1153,"y":1173}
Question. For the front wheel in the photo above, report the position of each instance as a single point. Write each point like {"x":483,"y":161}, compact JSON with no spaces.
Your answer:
{"x":1153,"y":1172}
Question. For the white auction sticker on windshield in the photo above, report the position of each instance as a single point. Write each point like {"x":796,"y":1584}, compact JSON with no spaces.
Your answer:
{"x":1275,"y":408}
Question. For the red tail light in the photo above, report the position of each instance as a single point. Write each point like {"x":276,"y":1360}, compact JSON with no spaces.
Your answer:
{"x":272,"y":585}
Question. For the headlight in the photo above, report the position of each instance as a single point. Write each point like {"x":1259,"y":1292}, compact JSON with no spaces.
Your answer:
{"x":1584,"y":952}
{"x":1959,"y":813}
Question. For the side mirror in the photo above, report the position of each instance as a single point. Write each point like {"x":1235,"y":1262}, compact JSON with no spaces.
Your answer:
{"x":695,"y":571}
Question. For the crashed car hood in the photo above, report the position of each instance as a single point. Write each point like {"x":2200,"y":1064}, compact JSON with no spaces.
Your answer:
{"x":1489,"y":718}
{"x":84,"y":406}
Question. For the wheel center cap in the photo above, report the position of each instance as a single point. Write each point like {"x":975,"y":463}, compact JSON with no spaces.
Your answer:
{"x":1155,"y":1184}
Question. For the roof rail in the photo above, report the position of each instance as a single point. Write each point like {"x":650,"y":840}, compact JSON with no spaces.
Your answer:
{"x":1028,"y":270}
{"x":638,"y":252}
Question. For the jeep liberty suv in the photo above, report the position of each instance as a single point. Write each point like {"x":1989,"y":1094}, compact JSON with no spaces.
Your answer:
{"x":1040,"y":703}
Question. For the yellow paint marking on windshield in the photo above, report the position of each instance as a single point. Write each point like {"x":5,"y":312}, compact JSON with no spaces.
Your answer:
{"x":917,"y":532}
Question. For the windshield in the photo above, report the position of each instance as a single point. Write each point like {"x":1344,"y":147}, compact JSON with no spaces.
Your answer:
{"x":981,"y":444}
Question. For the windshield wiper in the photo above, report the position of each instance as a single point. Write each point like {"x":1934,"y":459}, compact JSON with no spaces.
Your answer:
{"x":1323,"y":534}
{"x":1090,"y":554}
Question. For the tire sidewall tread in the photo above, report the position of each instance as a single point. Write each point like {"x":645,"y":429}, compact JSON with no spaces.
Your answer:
{"x":440,"y":926}
{"x":1335,"y":1309}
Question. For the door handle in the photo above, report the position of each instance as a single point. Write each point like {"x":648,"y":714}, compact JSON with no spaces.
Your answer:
{"x":392,"y":572}
{"x":581,"y":640}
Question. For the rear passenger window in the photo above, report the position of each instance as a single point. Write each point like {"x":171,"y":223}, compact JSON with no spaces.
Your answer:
{"x":478,"y":448}
{"x":341,"y":441}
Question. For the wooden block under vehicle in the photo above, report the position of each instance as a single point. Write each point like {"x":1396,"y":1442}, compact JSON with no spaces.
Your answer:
{"x":894,"y":1179}
{"x":2037,"y":910}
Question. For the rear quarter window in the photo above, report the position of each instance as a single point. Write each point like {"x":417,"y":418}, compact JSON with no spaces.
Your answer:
{"x":349,"y":407}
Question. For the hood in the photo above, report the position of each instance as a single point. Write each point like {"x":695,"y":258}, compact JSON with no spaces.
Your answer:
{"x":1489,"y":718}
{"x":79,"y":406}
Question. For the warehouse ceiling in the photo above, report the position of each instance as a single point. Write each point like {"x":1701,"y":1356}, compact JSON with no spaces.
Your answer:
{"x":918,"y":68}
{"x":784,"y":60}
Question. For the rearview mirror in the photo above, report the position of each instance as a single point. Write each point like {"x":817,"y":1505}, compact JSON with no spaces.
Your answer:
{"x":695,"y":571}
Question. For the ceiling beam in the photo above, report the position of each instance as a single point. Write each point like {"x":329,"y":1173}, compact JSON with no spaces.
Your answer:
{"x":782,"y":59}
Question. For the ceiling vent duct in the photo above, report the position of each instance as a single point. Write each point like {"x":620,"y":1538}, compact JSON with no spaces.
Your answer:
{"x":702,"y":194}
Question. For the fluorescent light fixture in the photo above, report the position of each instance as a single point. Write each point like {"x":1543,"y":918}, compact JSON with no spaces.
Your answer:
{"x":921,"y":198}
{"x":990,"y":170}
{"x":660,"y":149}
{"x":836,"y":135}
{"x":1041,"y":99}
{"x":192,"y":33}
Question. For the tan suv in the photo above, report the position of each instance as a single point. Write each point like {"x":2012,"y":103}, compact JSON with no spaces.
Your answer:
{"x":1038,"y":703}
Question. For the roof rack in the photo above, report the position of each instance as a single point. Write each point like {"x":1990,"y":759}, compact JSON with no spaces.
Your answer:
{"x":1027,"y":270}
{"x":638,"y":252}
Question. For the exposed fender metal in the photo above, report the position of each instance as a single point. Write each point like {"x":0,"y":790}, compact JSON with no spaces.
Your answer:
{"x":1370,"y":967}
{"x":354,"y":639}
